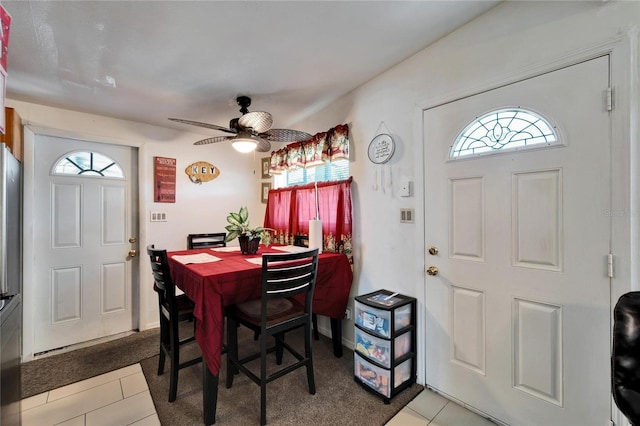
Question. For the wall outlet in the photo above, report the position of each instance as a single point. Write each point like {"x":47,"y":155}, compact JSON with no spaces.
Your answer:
{"x":347,"y":314}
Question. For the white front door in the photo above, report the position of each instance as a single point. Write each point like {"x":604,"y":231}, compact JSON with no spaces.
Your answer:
{"x":83,"y":222}
{"x":517,"y":318}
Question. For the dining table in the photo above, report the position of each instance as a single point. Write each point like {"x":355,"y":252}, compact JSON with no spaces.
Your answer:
{"x":214,"y":278}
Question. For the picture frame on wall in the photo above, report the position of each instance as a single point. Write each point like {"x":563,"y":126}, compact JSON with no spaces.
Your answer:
{"x":266,"y":163}
{"x":266,"y":186}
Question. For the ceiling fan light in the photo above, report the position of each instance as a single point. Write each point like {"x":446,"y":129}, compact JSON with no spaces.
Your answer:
{"x":244,"y":145}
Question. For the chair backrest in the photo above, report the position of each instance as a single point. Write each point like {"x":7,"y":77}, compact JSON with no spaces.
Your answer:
{"x":216,"y":239}
{"x":625,"y":356}
{"x":287,"y":275}
{"x":301,"y":240}
{"x":163,"y":284}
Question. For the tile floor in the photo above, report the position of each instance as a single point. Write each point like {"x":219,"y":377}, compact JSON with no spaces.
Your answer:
{"x":121,"y":397}
{"x":118,"y":398}
{"x":429,"y":408}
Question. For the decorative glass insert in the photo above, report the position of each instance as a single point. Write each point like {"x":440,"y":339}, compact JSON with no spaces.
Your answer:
{"x":501,"y":130}
{"x":88,"y":164}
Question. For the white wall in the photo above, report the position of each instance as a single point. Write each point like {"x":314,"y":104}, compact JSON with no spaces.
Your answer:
{"x":512,"y":40}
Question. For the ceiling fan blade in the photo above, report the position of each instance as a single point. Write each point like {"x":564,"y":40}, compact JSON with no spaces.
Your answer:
{"x":213,"y":140}
{"x":263,"y":144}
{"x":286,"y":135}
{"x":206,"y":125}
{"x":259,"y":121}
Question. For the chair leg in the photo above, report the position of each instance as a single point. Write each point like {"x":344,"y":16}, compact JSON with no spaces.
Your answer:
{"x":174,"y":355}
{"x":309,"y":355}
{"x":263,"y":380}
{"x":279,"y":348}
{"x":314,"y":320}
{"x":164,"y":341}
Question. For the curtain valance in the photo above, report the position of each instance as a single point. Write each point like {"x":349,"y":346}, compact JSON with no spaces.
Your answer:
{"x":321,"y":148}
{"x":289,"y":210}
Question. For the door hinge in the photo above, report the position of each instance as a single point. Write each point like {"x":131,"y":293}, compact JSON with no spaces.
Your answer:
{"x":610,"y":265}
{"x":609,"y":99}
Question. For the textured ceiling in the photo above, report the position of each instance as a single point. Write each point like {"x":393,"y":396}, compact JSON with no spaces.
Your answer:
{"x":149,"y":60}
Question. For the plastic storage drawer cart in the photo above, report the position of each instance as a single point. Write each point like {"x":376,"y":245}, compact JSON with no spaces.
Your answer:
{"x":385,"y":337}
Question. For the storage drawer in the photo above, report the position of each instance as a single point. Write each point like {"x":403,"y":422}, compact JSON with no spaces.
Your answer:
{"x":378,"y":320}
{"x":402,"y":344}
{"x":373,"y":347}
{"x":375,"y":377}
{"x":402,"y":373}
{"x":403,"y":317}
{"x":378,"y":349}
{"x":375,"y":320}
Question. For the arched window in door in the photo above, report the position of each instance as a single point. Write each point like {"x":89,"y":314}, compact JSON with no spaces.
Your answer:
{"x":502,"y":130}
{"x":88,"y":164}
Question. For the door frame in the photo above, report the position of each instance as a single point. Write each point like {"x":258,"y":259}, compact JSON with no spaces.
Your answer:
{"x":29,"y":238}
{"x":624,"y":53}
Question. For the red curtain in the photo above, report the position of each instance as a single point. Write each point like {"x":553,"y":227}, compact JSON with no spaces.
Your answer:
{"x":290,"y":209}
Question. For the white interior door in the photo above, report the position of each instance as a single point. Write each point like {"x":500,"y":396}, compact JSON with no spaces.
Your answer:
{"x":83,"y":222}
{"x":517,"y":319}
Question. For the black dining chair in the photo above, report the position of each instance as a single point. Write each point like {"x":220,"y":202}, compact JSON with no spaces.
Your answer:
{"x":275,"y":313}
{"x":173,"y":310}
{"x":216,"y":239}
{"x":302,"y":240}
{"x":625,"y":356}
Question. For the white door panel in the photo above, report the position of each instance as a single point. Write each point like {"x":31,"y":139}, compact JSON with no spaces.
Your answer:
{"x":82,"y":225}
{"x":518,"y":317}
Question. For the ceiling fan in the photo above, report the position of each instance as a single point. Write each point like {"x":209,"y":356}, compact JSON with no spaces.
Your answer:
{"x":251,"y":131}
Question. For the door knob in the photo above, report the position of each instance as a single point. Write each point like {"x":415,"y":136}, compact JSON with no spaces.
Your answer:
{"x":432,"y":270}
{"x":433,"y":250}
{"x":133,"y":253}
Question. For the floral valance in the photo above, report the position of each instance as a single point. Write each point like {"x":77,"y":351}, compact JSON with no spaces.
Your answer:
{"x":321,"y":148}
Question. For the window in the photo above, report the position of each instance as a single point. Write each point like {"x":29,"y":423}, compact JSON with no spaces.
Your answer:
{"x":502,"y":130}
{"x":88,"y":164}
{"x":330,"y":171}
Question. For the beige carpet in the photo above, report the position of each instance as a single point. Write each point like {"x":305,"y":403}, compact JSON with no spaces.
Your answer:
{"x":338,"y":401}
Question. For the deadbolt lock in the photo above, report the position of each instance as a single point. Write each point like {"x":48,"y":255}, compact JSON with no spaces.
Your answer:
{"x":132,"y":240}
{"x":432,"y":270}
{"x":433,"y":250}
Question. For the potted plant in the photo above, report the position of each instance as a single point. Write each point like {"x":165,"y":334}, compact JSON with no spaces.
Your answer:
{"x":248,"y":237}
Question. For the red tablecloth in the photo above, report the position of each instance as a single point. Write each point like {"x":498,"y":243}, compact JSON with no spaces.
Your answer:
{"x":233,"y":279}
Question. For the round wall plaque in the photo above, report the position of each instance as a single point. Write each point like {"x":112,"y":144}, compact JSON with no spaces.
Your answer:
{"x":381,"y":148}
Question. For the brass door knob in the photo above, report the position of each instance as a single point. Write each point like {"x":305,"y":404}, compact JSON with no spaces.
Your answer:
{"x":133,"y":253}
{"x":433,"y":250}
{"x":432,"y":270}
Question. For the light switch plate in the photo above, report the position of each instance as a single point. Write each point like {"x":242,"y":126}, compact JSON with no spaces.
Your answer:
{"x":406,"y":215}
{"x":405,"y":187}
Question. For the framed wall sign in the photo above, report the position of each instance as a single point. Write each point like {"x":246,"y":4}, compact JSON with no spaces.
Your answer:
{"x":265,"y":163}
{"x":164,"y":180}
{"x":266,"y":186}
{"x":5,"y":26}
